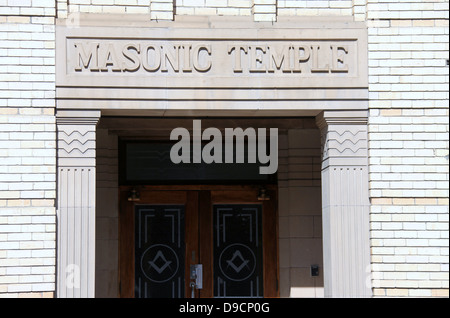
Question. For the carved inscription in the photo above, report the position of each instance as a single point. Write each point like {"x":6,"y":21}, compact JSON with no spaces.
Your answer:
{"x":233,"y":58}
{"x":289,"y":58}
{"x":132,"y":56}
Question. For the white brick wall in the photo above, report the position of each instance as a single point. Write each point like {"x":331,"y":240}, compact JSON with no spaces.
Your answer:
{"x":27,"y":248}
{"x":161,"y":9}
{"x":214,"y":7}
{"x":108,"y":6}
{"x":408,"y":140}
{"x":27,"y":148}
{"x":262,"y":10}
{"x":316,"y":8}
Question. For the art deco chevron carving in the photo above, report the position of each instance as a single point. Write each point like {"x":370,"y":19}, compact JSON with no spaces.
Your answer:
{"x":76,"y":138}
{"x":343,"y":137}
{"x":345,"y":141}
{"x":76,"y":143}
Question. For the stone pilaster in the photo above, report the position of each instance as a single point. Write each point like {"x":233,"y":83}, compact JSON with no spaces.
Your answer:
{"x":76,"y":203}
{"x":345,"y":203}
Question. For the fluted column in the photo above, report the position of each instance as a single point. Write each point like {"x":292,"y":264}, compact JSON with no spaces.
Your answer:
{"x":76,"y":203}
{"x":345,"y":203}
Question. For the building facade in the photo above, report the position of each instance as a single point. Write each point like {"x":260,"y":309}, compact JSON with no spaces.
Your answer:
{"x":91,"y":90}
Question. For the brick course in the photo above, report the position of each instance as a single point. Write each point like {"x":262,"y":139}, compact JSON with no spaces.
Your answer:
{"x":408,"y":140}
{"x":27,"y":148}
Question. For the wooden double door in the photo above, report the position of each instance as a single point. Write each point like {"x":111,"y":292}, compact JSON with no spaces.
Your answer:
{"x":166,"y":232}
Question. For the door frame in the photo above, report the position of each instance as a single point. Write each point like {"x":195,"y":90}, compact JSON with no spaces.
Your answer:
{"x":200,"y":198}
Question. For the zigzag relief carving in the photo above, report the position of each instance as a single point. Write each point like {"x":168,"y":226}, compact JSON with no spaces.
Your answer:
{"x":345,"y":142}
{"x":77,"y":153}
{"x":349,"y":145}
{"x":76,"y":143}
{"x":77,"y":135}
{"x":360,"y":134}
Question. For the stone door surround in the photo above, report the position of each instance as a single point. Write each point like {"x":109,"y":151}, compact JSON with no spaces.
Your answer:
{"x":216,"y":67}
